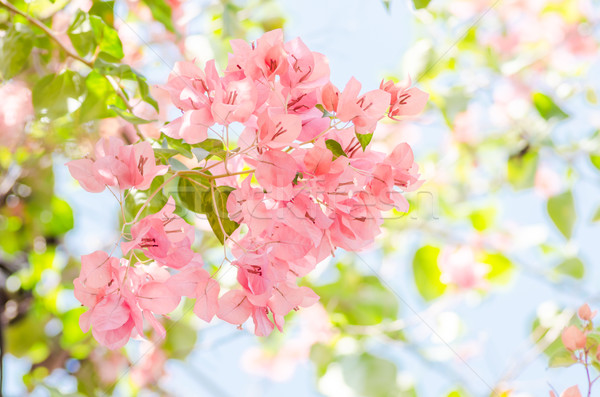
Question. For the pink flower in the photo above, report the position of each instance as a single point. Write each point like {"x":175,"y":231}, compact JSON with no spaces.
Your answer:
{"x":16,"y":109}
{"x":364,"y":111}
{"x":572,"y":391}
{"x":585,"y":313}
{"x":150,"y":368}
{"x":120,"y":296}
{"x":275,"y":169}
{"x":117,"y":164}
{"x":404,"y":101}
{"x":459,"y":267}
{"x":547,"y":182}
{"x":573,"y":338}
{"x":164,"y":237}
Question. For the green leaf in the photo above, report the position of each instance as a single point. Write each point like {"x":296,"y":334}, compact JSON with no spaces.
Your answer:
{"x":387,"y":4}
{"x":107,"y":67}
{"x":595,"y":159}
{"x":427,"y":273}
{"x":335,"y":148}
{"x":596,"y":216}
{"x":364,"y":140}
{"x":51,"y":95}
{"x":321,"y":355}
{"x":357,"y":299}
{"x":521,"y":169}
{"x":105,"y":10}
{"x":572,"y":267}
{"x":180,"y":339}
{"x":128,"y":116}
{"x":500,"y":268}
{"x":421,"y":3}
{"x":562,"y":358}
{"x":16,"y":47}
{"x":145,"y":91}
{"x":61,"y":219}
{"x":165,"y":154}
{"x":191,"y":191}
{"x":100,"y":95}
{"x":561,"y":209}
{"x":209,"y":147}
{"x":177,"y":144}
{"x":161,"y":12}
{"x":81,"y":35}
{"x":107,"y":39}
{"x":483,"y":218}
{"x":177,"y":165}
{"x":369,"y":375}
{"x":218,"y":218}
{"x":547,"y":108}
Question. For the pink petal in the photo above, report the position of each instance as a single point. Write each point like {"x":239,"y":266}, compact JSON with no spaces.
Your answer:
{"x":234,"y":307}
{"x":207,"y":299}
{"x":157,"y":297}
{"x":83,"y":171}
{"x":275,"y":168}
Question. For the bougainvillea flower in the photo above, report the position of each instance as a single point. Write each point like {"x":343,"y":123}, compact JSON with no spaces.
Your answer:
{"x":164,"y":237}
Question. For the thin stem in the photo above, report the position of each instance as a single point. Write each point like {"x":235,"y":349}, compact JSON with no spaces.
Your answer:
{"x":587,"y":371}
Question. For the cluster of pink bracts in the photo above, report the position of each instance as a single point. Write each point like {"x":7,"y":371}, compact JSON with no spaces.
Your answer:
{"x":305,"y":183}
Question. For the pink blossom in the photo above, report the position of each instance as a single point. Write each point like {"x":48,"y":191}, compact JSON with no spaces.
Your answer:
{"x":460,"y":267}
{"x":547,"y":182}
{"x":117,"y":164}
{"x":16,"y":110}
{"x":164,"y":237}
{"x":572,"y":391}
{"x":573,"y":338}
{"x":585,"y":313}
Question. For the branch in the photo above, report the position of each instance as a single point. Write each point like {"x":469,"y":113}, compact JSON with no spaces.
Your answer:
{"x":48,"y":32}
{"x":118,"y":89}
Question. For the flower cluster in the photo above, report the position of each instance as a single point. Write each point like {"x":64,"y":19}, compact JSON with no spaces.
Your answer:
{"x":582,"y":347}
{"x":302,"y":180}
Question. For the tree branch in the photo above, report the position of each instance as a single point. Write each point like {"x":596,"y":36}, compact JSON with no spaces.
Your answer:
{"x":118,"y":89}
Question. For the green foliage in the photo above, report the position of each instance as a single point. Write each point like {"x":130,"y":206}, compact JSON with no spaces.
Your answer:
{"x":364,"y":139}
{"x":369,"y":375}
{"x":14,"y":52}
{"x":427,"y":273}
{"x":180,"y":339}
{"x":99,"y":99}
{"x":572,"y":267}
{"x":501,"y":267}
{"x":419,"y":4}
{"x":521,"y":169}
{"x":483,"y":218}
{"x":56,"y":95}
{"x":547,"y":108}
{"x":90,"y":32}
{"x":335,"y":148}
{"x":595,"y":159}
{"x":161,"y":11}
{"x":562,"y":358}
{"x":561,"y":209}
{"x":356,"y":299}
{"x":198,"y":194}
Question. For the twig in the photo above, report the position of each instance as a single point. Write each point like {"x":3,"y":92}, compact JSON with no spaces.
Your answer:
{"x":118,"y":89}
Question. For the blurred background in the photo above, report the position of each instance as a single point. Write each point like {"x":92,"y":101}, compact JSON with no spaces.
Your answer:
{"x":466,"y":295}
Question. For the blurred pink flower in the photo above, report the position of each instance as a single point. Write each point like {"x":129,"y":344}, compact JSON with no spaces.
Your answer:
{"x":16,"y":109}
{"x":460,"y":268}
{"x":150,"y":368}
{"x":280,"y":365}
{"x":547,"y":182}
{"x":465,"y":127}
